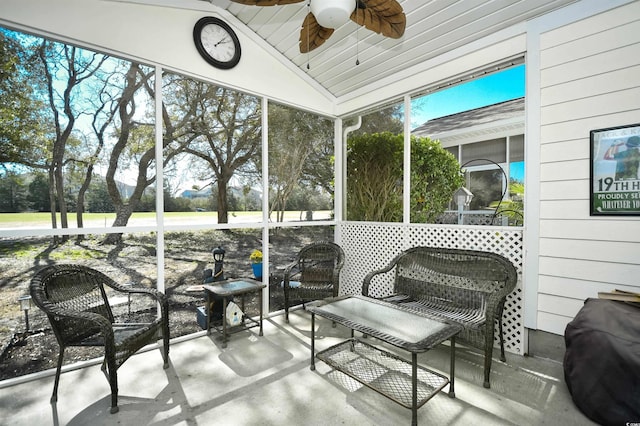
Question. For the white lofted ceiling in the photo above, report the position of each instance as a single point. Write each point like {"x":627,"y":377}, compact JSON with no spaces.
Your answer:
{"x":433,"y":27}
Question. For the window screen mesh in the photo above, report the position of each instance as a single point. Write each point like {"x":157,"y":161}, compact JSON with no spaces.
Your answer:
{"x":494,"y":150}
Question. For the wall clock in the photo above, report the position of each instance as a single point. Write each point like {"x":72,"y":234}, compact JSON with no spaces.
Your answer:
{"x":216,"y":42}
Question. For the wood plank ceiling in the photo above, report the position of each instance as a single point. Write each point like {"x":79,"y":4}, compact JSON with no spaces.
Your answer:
{"x":433,"y":27}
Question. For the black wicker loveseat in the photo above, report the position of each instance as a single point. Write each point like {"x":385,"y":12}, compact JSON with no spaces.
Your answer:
{"x":466,"y":286}
{"x":76,"y":300}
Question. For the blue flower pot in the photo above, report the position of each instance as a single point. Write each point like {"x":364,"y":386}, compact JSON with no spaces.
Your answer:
{"x":257,"y":269}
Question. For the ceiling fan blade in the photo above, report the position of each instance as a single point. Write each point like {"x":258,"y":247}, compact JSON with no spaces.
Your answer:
{"x":266,"y":2}
{"x":312,"y":34}
{"x":385,"y":17}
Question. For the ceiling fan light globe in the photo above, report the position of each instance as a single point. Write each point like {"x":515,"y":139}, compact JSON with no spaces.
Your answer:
{"x":332,"y":13}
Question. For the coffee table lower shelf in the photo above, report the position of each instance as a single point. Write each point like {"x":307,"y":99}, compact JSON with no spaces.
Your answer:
{"x":383,"y":372}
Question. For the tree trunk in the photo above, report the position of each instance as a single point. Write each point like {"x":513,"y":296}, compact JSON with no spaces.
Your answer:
{"x":52,"y":199}
{"x":223,"y":205}
{"x":80,"y":203}
{"x":123,"y":213}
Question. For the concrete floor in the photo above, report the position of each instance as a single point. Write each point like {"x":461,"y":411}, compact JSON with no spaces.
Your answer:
{"x":267,"y":381}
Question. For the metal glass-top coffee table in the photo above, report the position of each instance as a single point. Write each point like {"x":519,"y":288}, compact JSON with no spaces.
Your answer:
{"x":380,"y":370}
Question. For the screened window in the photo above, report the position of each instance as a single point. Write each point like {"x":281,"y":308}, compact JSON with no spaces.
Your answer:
{"x":473,"y":121}
{"x":301,"y":165}
{"x":101,"y":173}
{"x":493,"y":150}
{"x":374,"y":182}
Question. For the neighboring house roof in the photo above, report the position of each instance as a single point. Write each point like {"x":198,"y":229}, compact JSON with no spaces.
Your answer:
{"x":479,"y":117}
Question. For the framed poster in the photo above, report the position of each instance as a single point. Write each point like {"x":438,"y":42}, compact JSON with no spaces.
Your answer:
{"x":615,"y":160}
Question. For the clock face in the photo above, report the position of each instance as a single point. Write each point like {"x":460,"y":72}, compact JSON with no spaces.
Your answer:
{"x":217,"y":42}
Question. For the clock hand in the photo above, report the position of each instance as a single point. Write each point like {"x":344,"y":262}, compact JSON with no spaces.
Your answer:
{"x":224,"y":40}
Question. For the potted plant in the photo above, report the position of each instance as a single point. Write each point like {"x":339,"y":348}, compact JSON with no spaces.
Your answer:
{"x":256,"y":263}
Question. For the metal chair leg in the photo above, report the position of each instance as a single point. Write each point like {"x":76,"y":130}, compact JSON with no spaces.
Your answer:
{"x":165,"y":347}
{"x":110,"y":369}
{"x":54,"y":396}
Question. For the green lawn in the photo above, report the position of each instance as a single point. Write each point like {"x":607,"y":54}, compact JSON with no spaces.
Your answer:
{"x":9,"y":220}
{"x":45,"y":218}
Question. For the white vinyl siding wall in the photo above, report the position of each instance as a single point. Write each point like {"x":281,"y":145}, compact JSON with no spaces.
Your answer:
{"x":589,"y":79}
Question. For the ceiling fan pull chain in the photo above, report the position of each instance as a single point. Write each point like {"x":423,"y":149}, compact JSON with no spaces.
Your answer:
{"x":308,"y":11}
{"x":357,"y":39}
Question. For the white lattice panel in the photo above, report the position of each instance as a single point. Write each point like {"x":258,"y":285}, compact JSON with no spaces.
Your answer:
{"x":370,"y":246}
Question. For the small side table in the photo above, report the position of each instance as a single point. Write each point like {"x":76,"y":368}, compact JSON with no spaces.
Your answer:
{"x":229,"y":288}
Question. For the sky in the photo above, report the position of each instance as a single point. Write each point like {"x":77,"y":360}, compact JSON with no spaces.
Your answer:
{"x":492,"y":89}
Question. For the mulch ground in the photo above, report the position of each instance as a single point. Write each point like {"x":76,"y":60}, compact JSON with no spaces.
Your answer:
{"x":187,"y":255}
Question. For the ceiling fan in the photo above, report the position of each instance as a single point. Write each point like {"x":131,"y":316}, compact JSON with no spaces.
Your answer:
{"x":385,"y":17}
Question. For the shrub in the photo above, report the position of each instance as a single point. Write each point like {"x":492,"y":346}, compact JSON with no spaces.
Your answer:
{"x":375,"y":178}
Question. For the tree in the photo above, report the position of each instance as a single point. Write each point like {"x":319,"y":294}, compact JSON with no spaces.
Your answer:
{"x":389,"y":119}
{"x":22,"y":123}
{"x":307,"y":198}
{"x":38,"y":197}
{"x":135,"y":142}
{"x":435,"y":176}
{"x":173,"y":203}
{"x":65,"y":69}
{"x":98,"y":200}
{"x":13,"y":193}
{"x":300,"y":155}
{"x":213,"y":124}
{"x":375,"y":178}
{"x":147,"y":202}
{"x":218,"y":127}
{"x":58,"y":86}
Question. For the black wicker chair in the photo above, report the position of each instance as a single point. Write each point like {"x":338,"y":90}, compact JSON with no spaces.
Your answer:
{"x":76,"y":300}
{"x":313,"y":275}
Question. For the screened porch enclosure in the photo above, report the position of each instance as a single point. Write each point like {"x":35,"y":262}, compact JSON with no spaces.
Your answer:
{"x":158,"y":223}
{"x":123,"y":149}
